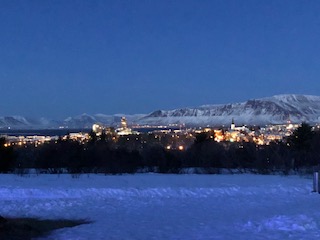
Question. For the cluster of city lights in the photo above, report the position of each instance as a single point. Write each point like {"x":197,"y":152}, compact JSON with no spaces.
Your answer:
{"x":180,"y":139}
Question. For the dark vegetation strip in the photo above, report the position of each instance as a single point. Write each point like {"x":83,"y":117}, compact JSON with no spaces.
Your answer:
{"x":301,"y":150}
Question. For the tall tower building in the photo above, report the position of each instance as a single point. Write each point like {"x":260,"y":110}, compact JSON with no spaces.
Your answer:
{"x":124,"y":123}
{"x":232,"y":125}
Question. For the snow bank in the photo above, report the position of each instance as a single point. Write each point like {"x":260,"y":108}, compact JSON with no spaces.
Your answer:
{"x":155,"y":206}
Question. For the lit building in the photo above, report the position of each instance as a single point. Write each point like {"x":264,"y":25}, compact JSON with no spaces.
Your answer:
{"x":124,"y":124}
{"x":97,"y":129}
{"x":124,"y":130}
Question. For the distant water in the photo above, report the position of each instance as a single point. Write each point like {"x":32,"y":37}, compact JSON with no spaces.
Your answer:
{"x":41,"y":132}
{"x":62,"y":132}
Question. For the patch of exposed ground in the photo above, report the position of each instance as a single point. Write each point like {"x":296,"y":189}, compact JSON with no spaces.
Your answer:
{"x":30,"y":228}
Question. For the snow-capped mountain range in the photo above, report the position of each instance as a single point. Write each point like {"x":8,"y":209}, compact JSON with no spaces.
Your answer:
{"x":78,"y":122}
{"x":271,"y":110}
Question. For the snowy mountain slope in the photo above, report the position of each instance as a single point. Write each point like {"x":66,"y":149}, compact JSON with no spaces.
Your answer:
{"x":76,"y":122}
{"x":15,"y":121}
{"x":19,"y":122}
{"x":272,"y":110}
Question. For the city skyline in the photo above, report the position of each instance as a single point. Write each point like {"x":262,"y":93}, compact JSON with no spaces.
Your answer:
{"x":65,"y":58}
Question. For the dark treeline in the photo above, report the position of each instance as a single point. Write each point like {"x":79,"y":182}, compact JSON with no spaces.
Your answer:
{"x":102,"y":155}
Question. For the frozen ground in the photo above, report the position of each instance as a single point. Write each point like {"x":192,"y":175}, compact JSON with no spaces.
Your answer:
{"x":152,"y":206}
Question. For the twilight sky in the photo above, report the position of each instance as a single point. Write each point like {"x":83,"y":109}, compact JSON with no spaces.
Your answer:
{"x":64,"y":58}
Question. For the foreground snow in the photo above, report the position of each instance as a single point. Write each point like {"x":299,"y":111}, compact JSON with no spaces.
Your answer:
{"x":152,"y":206}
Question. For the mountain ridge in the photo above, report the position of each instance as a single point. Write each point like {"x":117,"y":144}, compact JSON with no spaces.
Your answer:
{"x":277,"y":109}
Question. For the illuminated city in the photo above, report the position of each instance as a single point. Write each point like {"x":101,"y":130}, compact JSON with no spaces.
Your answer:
{"x":159,"y":119}
{"x":168,"y":136}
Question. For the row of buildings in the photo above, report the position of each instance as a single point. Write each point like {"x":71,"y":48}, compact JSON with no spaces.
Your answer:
{"x":171,"y":138}
{"x":259,"y":135}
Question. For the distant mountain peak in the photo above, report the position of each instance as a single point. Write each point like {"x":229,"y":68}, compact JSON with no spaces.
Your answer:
{"x":277,"y":109}
{"x":269,"y":110}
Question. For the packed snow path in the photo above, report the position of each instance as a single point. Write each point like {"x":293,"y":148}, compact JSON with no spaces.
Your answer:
{"x":154,"y":206}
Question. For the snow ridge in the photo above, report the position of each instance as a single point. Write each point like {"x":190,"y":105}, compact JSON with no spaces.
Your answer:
{"x":159,"y":192}
{"x":271,"y":110}
{"x":277,"y":109}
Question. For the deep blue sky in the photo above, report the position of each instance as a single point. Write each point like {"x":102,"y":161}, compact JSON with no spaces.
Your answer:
{"x":64,"y":58}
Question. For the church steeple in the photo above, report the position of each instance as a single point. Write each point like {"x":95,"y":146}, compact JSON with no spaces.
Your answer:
{"x":232,"y":125}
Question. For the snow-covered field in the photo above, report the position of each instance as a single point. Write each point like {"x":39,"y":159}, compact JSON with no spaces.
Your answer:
{"x":154,"y":206}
